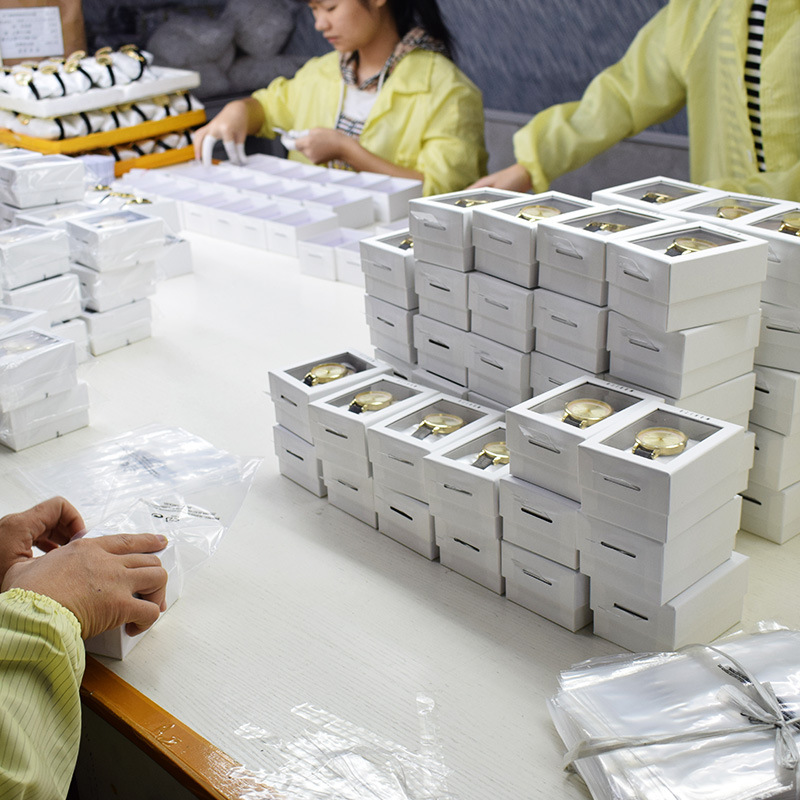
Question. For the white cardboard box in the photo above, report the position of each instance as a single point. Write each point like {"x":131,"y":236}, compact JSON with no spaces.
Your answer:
{"x":777,"y":400}
{"x":776,"y":462}
{"x":350,"y":491}
{"x":102,"y":291}
{"x":663,"y":193}
{"x":28,"y":182}
{"x":134,"y":332}
{"x":31,"y":253}
{"x":348,"y":263}
{"x":475,"y":557}
{"x":502,"y":311}
{"x":317,"y":254}
{"x":440,"y":384}
{"x":483,"y":400}
{"x":391,"y":328}
{"x":406,"y":520}
{"x":284,"y":232}
{"x":779,"y":342}
{"x":770,"y":514}
{"x":732,"y":209}
{"x":59,"y":296}
{"x":17,"y":319}
{"x":400,"y":367}
{"x":297,"y":460}
{"x":175,"y":258}
{"x":76,"y":331}
{"x":461,"y":259}
{"x":498,"y":372}
{"x":54,"y":215}
{"x":441,"y":349}
{"x":548,"y":373}
{"x":443,"y":294}
{"x":388,"y":265}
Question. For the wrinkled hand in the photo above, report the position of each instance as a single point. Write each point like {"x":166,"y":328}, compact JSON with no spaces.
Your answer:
{"x":46,"y":526}
{"x":230,"y":127}
{"x":321,"y":145}
{"x":105,"y":582}
{"x":514,"y":178}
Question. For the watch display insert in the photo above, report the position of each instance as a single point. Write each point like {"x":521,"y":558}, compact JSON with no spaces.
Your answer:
{"x":653,"y":192}
{"x":611,"y":221}
{"x":663,"y":242}
{"x":351,"y":363}
{"x":555,"y":407}
{"x":411,"y":424}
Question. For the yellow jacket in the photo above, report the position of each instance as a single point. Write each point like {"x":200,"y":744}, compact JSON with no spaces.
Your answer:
{"x":428,"y":116}
{"x":41,"y":666}
{"x":691,"y":53}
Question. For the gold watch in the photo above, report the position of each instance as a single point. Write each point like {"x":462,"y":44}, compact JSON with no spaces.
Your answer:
{"x":438,"y":423}
{"x":688,"y":244}
{"x":468,"y":202}
{"x":585,"y":411}
{"x":655,"y":442}
{"x":492,"y":453}
{"x":407,"y":243}
{"x":609,"y":227}
{"x":656,"y":197}
{"x":534,"y":212}
{"x":325,"y":373}
{"x":733,"y":211}
{"x":370,"y":401}
{"x":791,"y":224}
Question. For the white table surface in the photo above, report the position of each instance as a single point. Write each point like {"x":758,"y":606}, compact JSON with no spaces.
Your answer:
{"x":304,"y":604}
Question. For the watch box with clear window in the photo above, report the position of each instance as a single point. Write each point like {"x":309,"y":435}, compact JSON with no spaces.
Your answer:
{"x":28,"y":182}
{"x":502,"y":311}
{"x":406,"y":520}
{"x":773,"y":515}
{"x":388,"y":265}
{"x":441,"y":349}
{"x":297,"y":460}
{"x":102,"y":291}
{"x":472,"y":552}
{"x":443,"y":294}
{"x":779,"y":340}
{"x":657,"y":193}
{"x":440,"y":384}
{"x":350,"y":491}
{"x":549,"y":373}
{"x":498,"y":372}
{"x":31,"y":253}
{"x":59,"y":296}
{"x":318,"y":254}
{"x":391,"y":328}
{"x":776,"y":461}
{"x":777,"y":400}
{"x":14,"y":319}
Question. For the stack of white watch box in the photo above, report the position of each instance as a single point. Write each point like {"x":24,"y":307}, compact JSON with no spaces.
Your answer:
{"x":292,"y":389}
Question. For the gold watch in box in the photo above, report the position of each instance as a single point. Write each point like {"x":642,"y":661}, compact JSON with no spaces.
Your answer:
{"x":688,"y":244}
{"x":655,"y":442}
{"x":438,"y":423}
{"x":370,"y":401}
{"x":585,"y":411}
{"x":492,"y":453}
{"x":790,"y":224}
{"x":535,"y":212}
{"x":325,"y":373}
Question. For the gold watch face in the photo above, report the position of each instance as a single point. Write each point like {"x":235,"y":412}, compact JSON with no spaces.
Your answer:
{"x":587,"y":410}
{"x":534,"y":212}
{"x":608,"y":227}
{"x":373,"y":401}
{"x":443,"y":423}
{"x":661,"y":441}
{"x":407,"y":243}
{"x":325,"y":373}
{"x":656,"y":197}
{"x":689,"y":244}
{"x":732,"y":212}
{"x":791,"y":224}
{"x":467,"y":202}
{"x":497,"y":451}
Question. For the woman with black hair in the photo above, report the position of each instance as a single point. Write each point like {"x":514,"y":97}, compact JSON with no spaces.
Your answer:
{"x":388,"y":99}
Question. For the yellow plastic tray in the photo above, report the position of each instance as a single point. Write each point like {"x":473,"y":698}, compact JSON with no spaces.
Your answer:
{"x":152,"y":160}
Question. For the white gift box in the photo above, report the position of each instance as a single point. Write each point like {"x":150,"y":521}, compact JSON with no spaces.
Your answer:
{"x":507,"y":242}
{"x":770,"y":514}
{"x":340,"y":435}
{"x":461,"y":259}
{"x":284,"y":232}
{"x":776,"y":462}
{"x":291,"y":395}
{"x":779,"y":342}
{"x":657,"y":571}
{"x":60,"y":297}
{"x":388,"y":265}
{"x":317,"y":255}
{"x":441,"y":349}
{"x":390,"y":196}
{"x":33,"y":365}
{"x":234,"y":219}
{"x":551,"y":590}
{"x":406,"y":520}
{"x":776,"y":402}
{"x":297,"y":460}
{"x":498,"y":372}
{"x":443,"y":294}
{"x":439,"y":383}
{"x":350,"y":491}
{"x":27,"y":182}
{"x":353,"y":207}
{"x":470,"y":552}
{"x":397,"y":455}
{"x":76,"y":331}
{"x":16,"y":319}
{"x":664,"y":194}
{"x":483,"y":400}
{"x":175,"y":258}
{"x":391,"y":328}
{"x":400,"y":368}
{"x":541,"y":521}
{"x":572,"y":253}
{"x":348,"y":261}
{"x":45,"y":419}
{"x":544,"y":448}
{"x":30,"y":253}
{"x":102,"y":291}
{"x":683,"y":362}
{"x":548,"y":373}
{"x":54,"y":215}
{"x":732,"y":209}
{"x":700,"y":613}
{"x":502,"y":311}
{"x":118,"y":327}
{"x":571,"y":330}
{"x":672,"y":292}
{"x":662,"y":496}
{"x":114,"y":240}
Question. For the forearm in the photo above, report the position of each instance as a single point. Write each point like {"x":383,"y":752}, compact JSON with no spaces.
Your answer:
{"x":362,"y":160}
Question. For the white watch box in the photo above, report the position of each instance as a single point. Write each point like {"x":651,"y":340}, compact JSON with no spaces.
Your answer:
{"x":777,"y":400}
{"x":291,"y":395}
{"x":541,"y":521}
{"x":137,"y":331}
{"x":776,"y":462}
{"x":483,"y":400}
{"x":443,"y":294}
{"x":688,"y":289}
{"x":14,"y":319}
{"x":391,"y":328}
{"x":340,"y":435}
{"x":54,"y":215}
{"x":700,"y":613}
{"x":350,"y":491}
{"x":572,"y":248}
{"x":76,"y":331}
{"x":779,"y":342}
{"x":732,"y":209}
{"x":657,"y":571}
{"x":400,"y":368}
{"x":773,"y":515}
{"x":297,"y":460}
{"x":317,"y":254}
{"x":662,"y":495}
{"x":28,"y":182}
{"x":398,"y":444}
{"x":102,"y":291}
{"x":544,"y":447}
{"x":684,"y":362}
{"x":476,"y":557}
{"x":390,"y":196}
{"x":110,"y":322}
{"x":548,"y":373}
{"x":175,"y":258}
{"x":571,"y":330}
{"x":284,"y":232}
{"x":441,"y":348}
{"x":233,"y":218}
{"x":388,"y":265}
{"x":59,"y":296}
{"x":33,"y":365}
{"x":347,"y":257}
{"x":31,"y":253}
{"x":353,"y":207}
{"x":461,"y":259}
{"x":664,"y":194}
{"x":525,"y":275}
{"x":406,"y":520}
{"x":502,"y":311}
{"x":551,"y":590}
{"x":498,"y":372}
{"x":440,"y":384}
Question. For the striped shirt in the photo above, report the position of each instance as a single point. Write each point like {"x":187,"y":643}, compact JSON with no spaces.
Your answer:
{"x":752,"y":75}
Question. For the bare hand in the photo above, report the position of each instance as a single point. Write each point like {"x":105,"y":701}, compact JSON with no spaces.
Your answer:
{"x":321,"y":145}
{"x":514,"y":178}
{"x":105,"y":582}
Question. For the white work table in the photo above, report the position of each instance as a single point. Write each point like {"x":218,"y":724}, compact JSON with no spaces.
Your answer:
{"x":303,"y":604}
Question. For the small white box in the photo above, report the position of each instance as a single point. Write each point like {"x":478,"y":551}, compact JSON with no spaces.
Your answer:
{"x":728,"y":209}
{"x":400,"y":368}
{"x":339,"y":428}
{"x":31,"y":253}
{"x":683,"y":362}
{"x":440,"y":384}
{"x":541,"y":521}
{"x":117,"y":319}
{"x":483,"y":400}
{"x":27,"y":182}
{"x":317,"y":254}
{"x":551,"y":590}
{"x":548,"y":373}
{"x":498,"y":372}
{"x":687,"y":289}
{"x":779,"y":343}
{"x":113,"y":340}
{"x":770,"y":514}
{"x":398,"y":444}
{"x":175,"y":258}
{"x":776,"y":462}
{"x":54,"y":215}
{"x":657,"y":571}
{"x":75,"y":330}
{"x":406,"y":520}
{"x":353,"y":207}
{"x":352,"y":492}
{"x":461,"y":259}
{"x":17,"y":319}
{"x":441,"y":349}
{"x":443,"y":294}
{"x":60,"y":297}
{"x":297,"y":460}
{"x":391,"y":328}
{"x":701,"y":613}
{"x":660,"y":496}
{"x":348,"y":262}
{"x":389,"y":259}
{"x":571,"y":330}
{"x":572,"y":247}
{"x":658,"y":192}
{"x":33,"y":365}
{"x":284,"y":232}
{"x":293,"y":388}
{"x":777,"y":400}
{"x":544,"y":440}
{"x":470,"y":553}
{"x":502,"y":311}
{"x":102,"y":291}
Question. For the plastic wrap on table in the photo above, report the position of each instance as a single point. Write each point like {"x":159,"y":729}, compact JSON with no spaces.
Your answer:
{"x":29,"y":253}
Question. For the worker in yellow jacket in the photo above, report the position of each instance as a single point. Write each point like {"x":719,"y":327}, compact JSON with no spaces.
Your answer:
{"x":388,"y":99}
{"x":743,"y":109}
